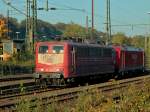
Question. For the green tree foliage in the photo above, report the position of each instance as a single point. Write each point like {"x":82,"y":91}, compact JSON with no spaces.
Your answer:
{"x":138,"y":41}
{"x":96,"y":34}
{"x":74,"y":31}
{"x":61,"y":26}
{"x":120,"y":38}
{"x":45,"y":30}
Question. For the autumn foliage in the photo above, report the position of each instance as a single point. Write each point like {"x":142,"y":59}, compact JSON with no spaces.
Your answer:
{"x":3,"y":28}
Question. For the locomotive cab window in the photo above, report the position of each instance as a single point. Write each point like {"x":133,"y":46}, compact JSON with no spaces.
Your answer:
{"x":43,"y":49}
{"x":53,"y":57}
{"x":58,"y":49}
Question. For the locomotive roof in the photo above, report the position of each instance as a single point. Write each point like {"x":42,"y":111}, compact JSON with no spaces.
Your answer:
{"x":73,"y":43}
{"x":128,"y":48}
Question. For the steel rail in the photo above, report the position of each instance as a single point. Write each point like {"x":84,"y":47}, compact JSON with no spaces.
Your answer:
{"x":15,"y":77}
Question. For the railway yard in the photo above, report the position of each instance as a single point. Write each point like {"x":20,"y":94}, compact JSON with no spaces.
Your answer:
{"x":15,"y":88}
{"x":62,"y":73}
{"x":74,"y":59}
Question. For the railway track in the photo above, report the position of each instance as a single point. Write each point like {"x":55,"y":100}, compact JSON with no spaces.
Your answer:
{"x":11,"y":100}
{"x":29,"y":90}
{"x":15,"y":77}
{"x":49,"y":95}
{"x":14,"y":84}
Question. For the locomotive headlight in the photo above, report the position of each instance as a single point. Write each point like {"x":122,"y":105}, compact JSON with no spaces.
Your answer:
{"x":57,"y":69}
{"x":42,"y":69}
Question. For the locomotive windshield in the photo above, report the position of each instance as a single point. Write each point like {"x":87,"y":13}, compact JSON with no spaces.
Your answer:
{"x":43,"y":49}
{"x":51,"y":55}
{"x":58,"y":49}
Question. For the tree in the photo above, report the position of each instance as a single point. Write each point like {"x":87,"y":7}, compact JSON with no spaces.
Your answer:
{"x":120,"y":38}
{"x":13,"y":27}
{"x":3,"y":29}
{"x":138,"y":41}
{"x":61,"y":26}
{"x":46,"y":31}
{"x":97,"y":35}
{"x":74,"y":31}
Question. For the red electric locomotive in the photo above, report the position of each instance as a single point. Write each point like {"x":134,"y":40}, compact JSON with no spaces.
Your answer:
{"x":59,"y":62}
{"x":129,"y":59}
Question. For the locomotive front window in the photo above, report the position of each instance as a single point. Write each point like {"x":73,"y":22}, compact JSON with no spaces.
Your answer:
{"x":43,"y":49}
{"x":58,"y":49}
{"x":55,"y":56}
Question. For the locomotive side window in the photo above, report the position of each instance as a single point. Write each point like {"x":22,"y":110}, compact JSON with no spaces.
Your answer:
{"x":58,"y":49}
{"x":43,"y":49}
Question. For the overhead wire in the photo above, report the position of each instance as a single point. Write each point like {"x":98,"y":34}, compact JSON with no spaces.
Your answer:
{"x":89,"y":13}
{"x":13,"y":7}
{"x":61,"y":5}
{"x":65,"y":7}
{"x":122,"y":24}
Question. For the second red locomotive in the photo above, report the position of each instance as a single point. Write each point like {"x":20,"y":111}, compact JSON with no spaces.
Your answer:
{"x":128,"y":59}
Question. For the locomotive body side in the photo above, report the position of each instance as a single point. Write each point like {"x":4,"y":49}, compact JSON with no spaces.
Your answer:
{"x":90,"y":60}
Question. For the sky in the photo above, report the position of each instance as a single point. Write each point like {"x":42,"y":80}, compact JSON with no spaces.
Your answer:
{"x":123,"y":12}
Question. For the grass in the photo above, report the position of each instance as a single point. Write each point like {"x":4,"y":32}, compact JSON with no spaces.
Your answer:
{"x":21,"y":62}
{"x":128,"y":100}
{"x":11,"y":67}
